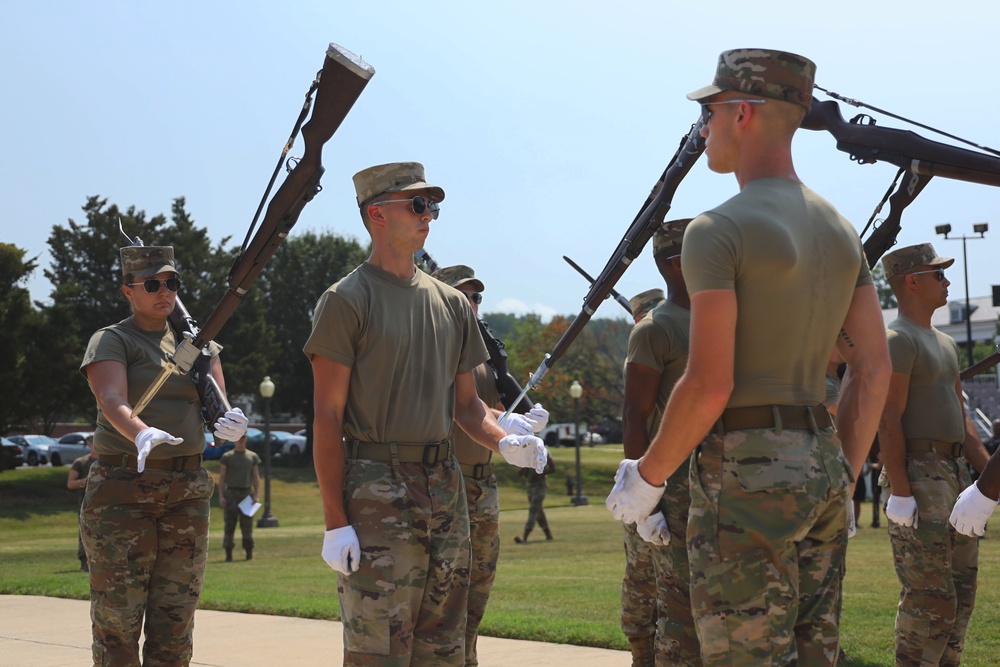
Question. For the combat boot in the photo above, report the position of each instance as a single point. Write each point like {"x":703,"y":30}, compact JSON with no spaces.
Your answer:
{"x":229,"y":554}
{"x":522,"y":540}
{"x":548,"y":533}
{"x":249,"y":553}
{"x":643,"y":651}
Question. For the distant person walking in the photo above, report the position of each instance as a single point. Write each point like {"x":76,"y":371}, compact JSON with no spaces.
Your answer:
{"x":239,"y":477}
{"x":537,"y":484}
{"x":77,"y":480}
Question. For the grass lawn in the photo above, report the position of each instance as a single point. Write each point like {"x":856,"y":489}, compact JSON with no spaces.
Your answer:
{"x":567,"y":590}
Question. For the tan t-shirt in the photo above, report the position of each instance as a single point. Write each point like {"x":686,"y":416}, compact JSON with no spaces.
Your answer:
{"x":239,"y":468}
{"x":405,"y":341}
{"x":175,"y":409}
{"x":467,"y":450}
{"x":930,"y":358}
{"x":794,"y":263}
{"x":660,"y":341}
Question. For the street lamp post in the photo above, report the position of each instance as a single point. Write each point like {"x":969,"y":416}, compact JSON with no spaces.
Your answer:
{"x":576,"y":391}
{"x":268,"y":520}
{"x":981,"y":229}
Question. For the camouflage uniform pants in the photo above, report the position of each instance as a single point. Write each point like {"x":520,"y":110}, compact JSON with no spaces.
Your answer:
{"x":536,"y":497}
{"x":638,"y":618}
{"x":147,"y":538}
{"x":767,"y":534}
{"x":936,"y":566}
{"x":484,"y":531}
{"x":407,"y":603}
{"x":232,"y":516}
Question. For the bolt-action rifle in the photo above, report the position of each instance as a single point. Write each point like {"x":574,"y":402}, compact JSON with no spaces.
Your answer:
{"x":507,"y":387}
{"x":337,"y":87}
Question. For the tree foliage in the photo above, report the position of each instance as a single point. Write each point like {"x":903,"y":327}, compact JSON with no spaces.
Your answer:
{"x":15,"y":310}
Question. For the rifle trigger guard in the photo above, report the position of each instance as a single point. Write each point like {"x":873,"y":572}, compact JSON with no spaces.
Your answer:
{"x":860,"y":120}
{"x":291,"y":163}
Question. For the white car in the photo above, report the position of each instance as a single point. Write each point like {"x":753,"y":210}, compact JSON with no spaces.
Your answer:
{"x":35,"y":448}
{"x":69,"y":448}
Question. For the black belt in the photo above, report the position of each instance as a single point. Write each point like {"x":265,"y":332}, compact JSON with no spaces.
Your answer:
{"x":428,"y":453}
{"x":809,"y":417}
{"x":951,"y":449}
{"x":175,"y":464}
{"x":478,"y":470}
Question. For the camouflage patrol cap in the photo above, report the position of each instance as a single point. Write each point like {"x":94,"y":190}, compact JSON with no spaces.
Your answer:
{"x":644,"y":302}
{"x":667,"y":238}
{"x":901,"y":261}
{"x":459,"y":275}
{"x":765,"y":72}
{"x":146,"y":261}
{"x":393,"y":177}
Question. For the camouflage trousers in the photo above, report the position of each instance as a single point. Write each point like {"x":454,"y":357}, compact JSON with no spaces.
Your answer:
{"x":232,"y":515}
{"x":407,"y":604}
{"x":146,"y":535}
{"x":936,"y":566}
{"x":536,"y":497}
{"x":767,"y":535}
{"x":638,"y":617}
{"x":483,"y":500}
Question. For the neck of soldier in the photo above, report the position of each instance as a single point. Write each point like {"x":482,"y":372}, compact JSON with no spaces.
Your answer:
{"x":148,"y":322}
{"x":394,"y":258}
{"x":764,"y":156}
{"x":677,"y":293}
{"x":917,"y":311}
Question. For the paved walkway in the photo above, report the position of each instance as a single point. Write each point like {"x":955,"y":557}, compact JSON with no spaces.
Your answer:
{"x":52,"y":632}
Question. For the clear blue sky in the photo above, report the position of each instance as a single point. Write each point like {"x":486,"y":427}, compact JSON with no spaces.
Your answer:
{"x":546,"y":122}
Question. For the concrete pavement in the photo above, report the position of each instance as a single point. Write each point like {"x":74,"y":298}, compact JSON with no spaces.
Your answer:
{"x":53,"y":632}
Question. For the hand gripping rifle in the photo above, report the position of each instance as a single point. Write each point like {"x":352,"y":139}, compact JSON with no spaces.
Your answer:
{"x":507,"y":386}
{"x":918,"y":158}
{"x":337,"y":87}
{"x":644,"y":225}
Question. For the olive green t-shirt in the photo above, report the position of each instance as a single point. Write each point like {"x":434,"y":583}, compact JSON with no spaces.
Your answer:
{"x":660,"y":341}
{"x":175,"y":408}
{"x":930,"y":358}
{"x":239,"y":468}
{"x":794,"y":263}
{"x":405,"y":341}
{"x":467,"y":450}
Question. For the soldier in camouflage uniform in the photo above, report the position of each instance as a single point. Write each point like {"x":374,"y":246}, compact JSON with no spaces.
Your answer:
{"x":776,"y":278}
{"x":77,"y":479}
{"x":926,"y":439}
{"x":146,"y":509}
{"x":392,"y":352}
{"x":643,"y":302}
{"x":537,"y":484}
{"x":481,"y":492}
{"x":239,"y":477}
{"x":656,"y":603}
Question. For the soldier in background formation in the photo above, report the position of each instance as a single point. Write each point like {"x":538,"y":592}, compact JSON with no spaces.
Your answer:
{"x":926,"y":440}
{"x":771,"y":533}
{"x":537,"y":485}
{"x":239,"y":477}
{"x":481,"y":492}
{"x":393,"y":353}
{"x":656,"y":602}
{"x":643,"y":302}
{"x":77,"y":480}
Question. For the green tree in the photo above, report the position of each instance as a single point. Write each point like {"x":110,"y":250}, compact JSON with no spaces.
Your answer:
{"x":15,"y":310}
{"x":885,"y":296}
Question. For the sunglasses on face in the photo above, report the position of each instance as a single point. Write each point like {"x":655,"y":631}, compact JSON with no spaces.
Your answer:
{"x":475,"y":297}
{"x":706,"y":111}
{"x":939,"y":272}
{"x":152,"y":285}
{"x":418,"y":204}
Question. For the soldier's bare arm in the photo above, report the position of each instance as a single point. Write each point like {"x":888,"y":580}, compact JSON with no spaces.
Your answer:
{"x":331,"y":381}
{"x":641,"y":386}
{"x":703,"y":391}
{"x":255,"y":483}
{"x":891,"y":439}
{"x":863,"y":347}
{"x":109,"y":384}
{"x":472,"y":415}
{"x":975,"y":452}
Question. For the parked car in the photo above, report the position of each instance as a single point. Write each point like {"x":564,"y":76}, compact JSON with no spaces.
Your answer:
{"x":289,"y":443}
{"x":69,"y":448}
{"x":35,"y":447}
{"x":215,"y":450}
{"x":13,"y":455}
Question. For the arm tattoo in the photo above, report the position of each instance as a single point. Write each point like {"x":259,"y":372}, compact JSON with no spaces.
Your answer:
{"x":846,"y":338}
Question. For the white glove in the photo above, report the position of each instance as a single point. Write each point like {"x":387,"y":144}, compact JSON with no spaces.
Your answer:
{"x":341,"y":550}
{"x":524,"y":451}
{"x":852,"y":525}
{"x":232,"y":426}
{"x":632,"y":499}
{"x":148,"y":438}
{"x":972,"y":511}
{"x":654,"y":529}
{"x":540,"y":417}
{"x":516,"y":424}
{"x":902,"y":510}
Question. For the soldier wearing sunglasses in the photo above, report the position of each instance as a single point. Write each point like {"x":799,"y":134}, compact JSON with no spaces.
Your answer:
{"x":926,"y":440}
{"x":393,"y":353}
{"x":144,"y":518}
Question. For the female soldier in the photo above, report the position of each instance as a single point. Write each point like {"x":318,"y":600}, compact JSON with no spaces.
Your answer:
{"x":145,"y":513}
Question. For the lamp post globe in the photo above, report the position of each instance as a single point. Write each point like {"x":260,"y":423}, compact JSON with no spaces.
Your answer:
{"x":267,"y":520}
{"x":575,"y":392}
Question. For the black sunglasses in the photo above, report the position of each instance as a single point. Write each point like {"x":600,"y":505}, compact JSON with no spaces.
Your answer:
{"x":152,"y":285}
{"x":475,"y":297}
{"x":939,"y":272}
{"x":706,"y":112}
{"x":418,"y":204}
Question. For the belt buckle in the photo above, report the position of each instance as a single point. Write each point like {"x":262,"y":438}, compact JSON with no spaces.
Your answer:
{"x":437,"y":450}
{"x":178,"y":464}
{"x":478,"y":471}
{"x":956,"y":450}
